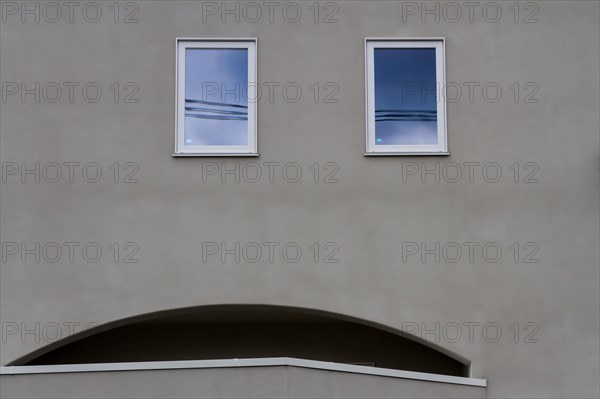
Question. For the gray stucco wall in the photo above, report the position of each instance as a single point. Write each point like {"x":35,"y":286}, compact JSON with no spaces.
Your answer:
{"x":368,"y":214}
{"x":253,"y":382}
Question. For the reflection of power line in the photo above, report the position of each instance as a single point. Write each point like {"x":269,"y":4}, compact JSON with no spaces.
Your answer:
{"x":188,"y":100}
{"x":214,"y":110}
{"x":386,"y":115}
{"x":224,"y":118}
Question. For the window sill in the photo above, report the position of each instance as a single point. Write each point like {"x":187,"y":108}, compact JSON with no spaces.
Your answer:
{"x":405,"y":154}
{"x":216,"y":154}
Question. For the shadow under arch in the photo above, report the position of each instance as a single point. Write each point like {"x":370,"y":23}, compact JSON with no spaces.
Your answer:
{"x":250,"y":331}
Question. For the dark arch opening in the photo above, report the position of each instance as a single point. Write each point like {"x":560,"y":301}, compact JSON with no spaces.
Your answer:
{"x":250,"y":331}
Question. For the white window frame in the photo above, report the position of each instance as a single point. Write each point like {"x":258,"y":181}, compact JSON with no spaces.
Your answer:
{"x":438,"y":43}
{"x":187,"y":150}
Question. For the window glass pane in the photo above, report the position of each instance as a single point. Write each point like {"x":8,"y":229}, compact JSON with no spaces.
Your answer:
{"x":216,"y":99}
{"x":405,"y":96}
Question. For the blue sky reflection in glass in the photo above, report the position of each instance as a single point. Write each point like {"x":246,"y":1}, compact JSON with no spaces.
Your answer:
{"x":216,"y":97}
{"x":405,"y":96}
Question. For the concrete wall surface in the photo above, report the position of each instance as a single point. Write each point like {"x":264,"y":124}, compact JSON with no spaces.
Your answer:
{"x":253,"y":382}
{"x":521,"y":302}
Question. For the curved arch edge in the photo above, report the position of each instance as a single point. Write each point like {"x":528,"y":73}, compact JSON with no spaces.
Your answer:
{"x":19,"y":362}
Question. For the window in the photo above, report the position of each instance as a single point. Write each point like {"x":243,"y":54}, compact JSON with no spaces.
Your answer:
{"x":216,"y":97}
{"x":406,"y":112}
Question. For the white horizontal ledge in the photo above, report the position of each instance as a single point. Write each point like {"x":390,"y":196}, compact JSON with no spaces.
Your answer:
{"x":258,"y":362}
{"x":224,"y":154}
{"x":404,"y":154}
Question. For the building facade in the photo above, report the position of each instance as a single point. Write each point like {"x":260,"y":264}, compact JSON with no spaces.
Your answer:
{"x":311,"y":268}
